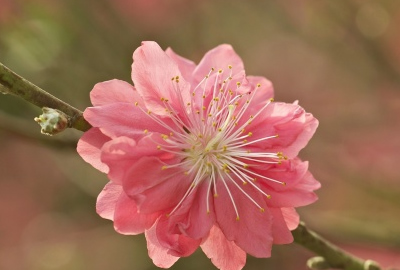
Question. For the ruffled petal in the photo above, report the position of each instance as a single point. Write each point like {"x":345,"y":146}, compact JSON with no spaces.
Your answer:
{"x":185,"y":66}
{"x":224,"y":254}
{"x":152,"y":71}
{"x":89,"y":148}
{"x":123,"y":119}
{"x":159,"y":254}
{"x":280,"y":231}
{"x":298,"y":190}
{"x":294,"y":126}
{"x":218,"y":58}
{"x":123,"y":153}
{"x":170,"y":237}
{"x":252,"y":232}
{"x":107,"y":200}
{"x":113,"y":91}
{"x":192,"y":216}
{"x":127,"y":220}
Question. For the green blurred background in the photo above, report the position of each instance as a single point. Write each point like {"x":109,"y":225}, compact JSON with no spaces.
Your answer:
{"x":340,"y":59}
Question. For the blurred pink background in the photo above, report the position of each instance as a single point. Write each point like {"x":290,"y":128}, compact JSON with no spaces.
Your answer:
{"x":340,"y":59}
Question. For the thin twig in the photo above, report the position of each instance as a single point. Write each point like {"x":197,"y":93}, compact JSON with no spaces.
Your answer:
{"x":15,"y":84}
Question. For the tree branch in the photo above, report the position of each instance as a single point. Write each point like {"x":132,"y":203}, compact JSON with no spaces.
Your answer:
{"x":332,"y":255}
{"x":14,"y":84}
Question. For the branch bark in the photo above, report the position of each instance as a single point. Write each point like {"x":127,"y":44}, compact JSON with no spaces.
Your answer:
{"x":14,"y":84}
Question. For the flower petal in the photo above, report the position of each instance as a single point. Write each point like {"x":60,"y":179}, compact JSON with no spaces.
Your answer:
{"x":280,"y":231}
{"x":192,"y":217}
{"x":252,"y":232}
{"x":152,"y":70}
{"x":291,"y":217}
{"x":113,"y":91}
{"x":127,"y":220}
{"x":89,"y":146}
{"x":159,"y":254}
{"x":224,"y":254}
{"x":294,"y":126}
{"x":220,"y":57}
{"x":265,"y":91}
{"x":123,"y":119}
{"x":121,"y":154}
{"x":170,"y":237}
{"x":185,"y":66}
{"x":107,"y":200}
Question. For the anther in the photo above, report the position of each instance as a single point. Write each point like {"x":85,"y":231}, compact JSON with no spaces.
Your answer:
{"x":145,"y":131}
{"x":136,"y":103}
{"x":262,"y":210}
{"x":229,"y":66}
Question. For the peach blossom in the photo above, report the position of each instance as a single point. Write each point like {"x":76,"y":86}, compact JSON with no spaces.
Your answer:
{"x":199,"y":155}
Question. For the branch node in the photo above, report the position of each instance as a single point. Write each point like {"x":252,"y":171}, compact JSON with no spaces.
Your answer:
{"x":318,"y":263}
{"x":371,"y":265}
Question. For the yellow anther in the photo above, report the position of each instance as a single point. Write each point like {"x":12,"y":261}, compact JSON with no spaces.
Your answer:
{"x":244,"y":183}
{"x":262,"y":210}
{"x":193,"y":94}
{"x":164,"y":167}
{"x":237,"y":218}
{"x":214,"y":124}
{"x":258,"y":84}
{"x":215,"y":195}
{"x":148,"y":112}
{"x":236,"y":103}
{"x":167,"y":215}
{"x":225,"y":148}
{"x":173,"y":78}
{"x":204,"y":108}
{"x":164,"y":136}
{"x":165,"y":99}
{"x":271,"y":99}
{"x":250,"y":134}
{"x":238,"y":83}
{"x":136,"y":103}
{"x":249,"y":122}
{"x":216,"y":99}
{"x":245,"y":166}
{"x":145,"y":131}
{"x":177,"y":77}
{"x":283,"y":183}
{"x":162,"y":99}
{"x":209,"y":115}
{"x":230,"y":78}
{"x":212,"y":69}
{"x":207,"y":76}
{"x":247,"y":101}
{"x":197,"y":111}
{"x":188,"y":103}
{"x":185,"y":173}
{"x":220,"y":71}
{"x":200,"y":136}
{"x":229,"y":66}
{"x":204,"y":96}
{"x":208,"y":164}
{"x":268,"y":196}
{"x":224,"y":81}
{"x":245,"y":141}
{"x":158,"y":147}
{"x":251,"y":116}
{"x":227,"y":171}
{"x":243,"y":130}
{"x":254,"y":179}
{"x":219,"y":129}
{"x":234,"y":117}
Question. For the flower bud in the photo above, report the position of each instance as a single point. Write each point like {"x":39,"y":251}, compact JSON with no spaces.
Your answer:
{"x":52,"y":121}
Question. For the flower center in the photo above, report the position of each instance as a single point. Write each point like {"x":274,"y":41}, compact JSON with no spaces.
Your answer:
{"x":211,"y":137}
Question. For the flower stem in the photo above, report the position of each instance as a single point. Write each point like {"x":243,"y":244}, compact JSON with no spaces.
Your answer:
{"x":12,"y":83}
{"x":333,"y":255}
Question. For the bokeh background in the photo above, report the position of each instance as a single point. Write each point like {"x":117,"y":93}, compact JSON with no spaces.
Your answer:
{"x":339,"y":58}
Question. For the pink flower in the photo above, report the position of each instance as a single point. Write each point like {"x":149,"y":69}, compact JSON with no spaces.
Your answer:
{"x":199,"y":156}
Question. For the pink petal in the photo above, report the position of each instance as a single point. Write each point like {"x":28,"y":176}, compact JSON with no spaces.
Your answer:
{"x":192,"y":217}
{"x":122,"y":119}
{"x":185,"y":66}
{"x":152,"y":70}
{"x":89,"y":146}
{"x":265,"y":91}
{"x":280,"y":231}
{"x":294,"y":127}
{"x":299,"y":190}
{"x":159,"y":254}
{"x":218,"y":58}
{"x":127,"y":220}
{"x":107,"y":200}
{"x":291,"y":217}
{"x":122,"y":153}
{"x":113,"y":91}
{"x":224,"y":254}
{"x":171,"y":238}
{"x":252,"y":232}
